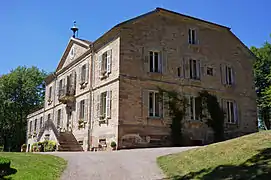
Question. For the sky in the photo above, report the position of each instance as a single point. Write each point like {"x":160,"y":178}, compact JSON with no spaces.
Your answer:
{"x":36,"y":33}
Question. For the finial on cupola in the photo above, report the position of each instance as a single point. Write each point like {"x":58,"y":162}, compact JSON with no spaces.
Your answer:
{"x":74,"y":29}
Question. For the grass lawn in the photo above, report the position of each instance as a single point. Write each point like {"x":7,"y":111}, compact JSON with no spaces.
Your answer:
{"x":247,"y":157}
{"x":31,"y":166}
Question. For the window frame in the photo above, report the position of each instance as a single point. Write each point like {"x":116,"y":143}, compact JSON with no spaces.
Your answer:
{"x":193,"y":109}
{"x":192,"y":38}
{"x":194,"y":69}
{"x":82,"y":109}
{"x":154,"y":102}
{"x":50,"y":93}
{"x":231,"y":112}
{"x":83,"y":73}
{"x":229,"y":75}
{"x":152,"y":61}
{"x":58,"y":117}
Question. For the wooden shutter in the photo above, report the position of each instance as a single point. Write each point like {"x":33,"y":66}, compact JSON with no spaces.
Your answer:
{"x":235,"y":108}
{"x":145,"y":103}
{"x":188,"y":108}
{"x":98,"y":107}
{"x":87,"y":72}
{"x":146,"y":60}
{"x":100,"y":60}
{"x":165,"y":105}
{"x":186,"y":68}
{"x":86,"y":110}
{"x":61,"y":117}
{"x":198,"y":69}
{"x":109,"y":61}
{"x":164,"y":62}
{"x":233,"y":75}
{"x":108,"y":104}
{"x":223,"y":73}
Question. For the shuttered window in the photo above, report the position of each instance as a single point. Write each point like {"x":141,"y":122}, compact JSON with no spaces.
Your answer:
{"x":192,"y":36}
{"x":155,"y":61}
{"x":155,"y":106}
{"x":231,"y":111}
{"x":195,"y":108}
{"x":105,"y":105}
{"x":58,"y":117}
{"x":105,"y":61}
{"x":41,"y":122}
{"x":82,"y":109}
{"x":83,"y":73}
{"x":194,"y":66}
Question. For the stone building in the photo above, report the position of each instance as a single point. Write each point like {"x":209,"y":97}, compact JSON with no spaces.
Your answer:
{"x":106,"y":90}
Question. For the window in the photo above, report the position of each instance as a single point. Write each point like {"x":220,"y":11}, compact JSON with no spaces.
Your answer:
{"x":179,"y":71}
{"x":41,"y":122}
{"x":49,"y":116}
{"x":60,"y":87}
{"x":83,"y":73}
{"x":195,"y":108}
{"x":105,"y":63}
{"x":231,"y":112}
{"x":192,"y":36}
{"x":209,"y":71}
{"x":105,"y":104}
{"x":155,"y":61}
{"x":154,"y":104}
{"x":82,"y":109}
{"x":58,"y":117}
{"x":229,"y":75}
{"x":35,"y":125}
{"x":194,"y":69}
{"x":50,"y":93}
{"x":30,"y":127}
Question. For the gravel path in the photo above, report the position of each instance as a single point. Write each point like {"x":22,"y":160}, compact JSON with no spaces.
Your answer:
{"x":133,"y":164}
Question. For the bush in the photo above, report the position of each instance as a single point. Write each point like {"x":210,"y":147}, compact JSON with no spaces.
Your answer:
{"x":35,"y":147}
{"x":49,"y":145}
{"x":113,"y":144}
{"x":5,"y":168}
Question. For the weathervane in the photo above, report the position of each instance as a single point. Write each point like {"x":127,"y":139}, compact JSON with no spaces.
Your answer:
{"x":74,"y":29}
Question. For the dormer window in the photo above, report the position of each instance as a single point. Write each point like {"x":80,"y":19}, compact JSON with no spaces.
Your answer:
{"x":192,"y":36}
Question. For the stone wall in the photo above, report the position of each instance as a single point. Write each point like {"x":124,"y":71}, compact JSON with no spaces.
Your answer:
{"x":169,"y":35}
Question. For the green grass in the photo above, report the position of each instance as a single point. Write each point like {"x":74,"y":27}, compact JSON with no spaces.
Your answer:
{"x":247,"y":157}
{"x":32,"y":166}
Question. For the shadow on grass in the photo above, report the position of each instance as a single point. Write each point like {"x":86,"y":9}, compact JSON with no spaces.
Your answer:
{"x":257,"y":167}
{"x":8,"y":172}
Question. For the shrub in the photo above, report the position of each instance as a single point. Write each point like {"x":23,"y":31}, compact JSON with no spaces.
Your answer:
{"x":5,"y":168}
{"x":35,"y":147}
{"x":49,"y":145}
{"x":113,"y":144}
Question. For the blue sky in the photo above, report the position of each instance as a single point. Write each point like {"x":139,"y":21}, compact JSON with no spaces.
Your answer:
{"x":37,"y":32}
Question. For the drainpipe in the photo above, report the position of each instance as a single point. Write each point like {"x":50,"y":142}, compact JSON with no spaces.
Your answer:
{"x":90,"y":127}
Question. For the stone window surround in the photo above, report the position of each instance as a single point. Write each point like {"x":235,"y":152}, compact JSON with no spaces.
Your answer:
{"x":192,"y":36}
{"x":231,"y":111}
{"x":105,"y":64}
{"x":155,"y":64}
{"x":104,"y":105}
{"x":154,"y":101}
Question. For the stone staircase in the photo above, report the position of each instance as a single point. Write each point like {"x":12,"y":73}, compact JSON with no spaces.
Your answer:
{"x":68,"y":142}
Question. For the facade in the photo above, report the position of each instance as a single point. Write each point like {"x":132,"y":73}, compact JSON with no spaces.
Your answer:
{"x":107,"y":90}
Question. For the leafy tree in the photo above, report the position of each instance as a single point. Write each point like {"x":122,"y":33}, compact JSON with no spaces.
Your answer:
{"x":21,"y":91}
{"x":176,"y":106}
{"x":262,"y":76}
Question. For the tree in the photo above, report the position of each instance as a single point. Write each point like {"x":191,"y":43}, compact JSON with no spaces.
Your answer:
{"x":176,"y":105}
{"x":262,"y":75}
{"x":21,"y":91}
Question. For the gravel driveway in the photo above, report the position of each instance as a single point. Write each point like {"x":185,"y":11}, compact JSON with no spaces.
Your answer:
{"x":133,"y":164}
